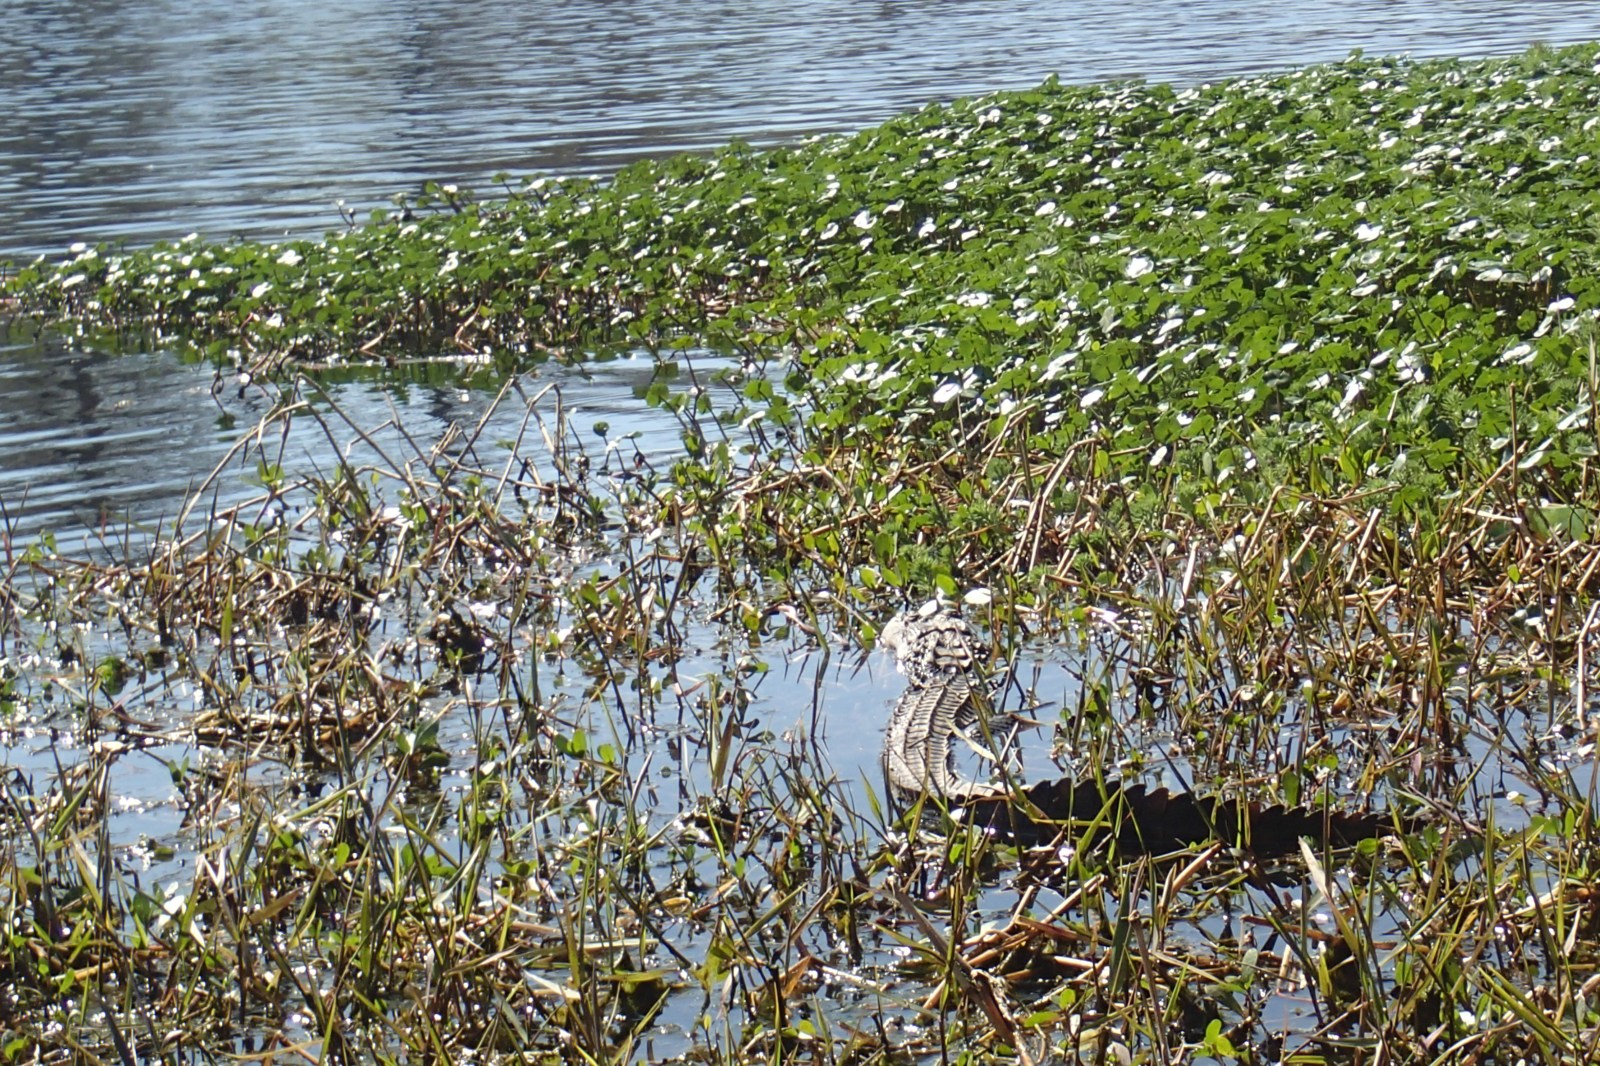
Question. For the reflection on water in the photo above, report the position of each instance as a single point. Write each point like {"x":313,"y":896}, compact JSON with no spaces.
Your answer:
{"x":89,"y":441}
{"x":86,"y":437}
{"x":152,"y":120}
{"x":155,"y":119}
{"x":140,"y":121}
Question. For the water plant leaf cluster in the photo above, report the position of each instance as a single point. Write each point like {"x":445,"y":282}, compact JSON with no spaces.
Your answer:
{"x":472,"y":757}
{"x":1256,"y":421}
{"x":1373,"y":273}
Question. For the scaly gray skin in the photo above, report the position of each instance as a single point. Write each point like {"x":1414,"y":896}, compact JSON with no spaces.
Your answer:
{"x":946,"y":691}
{"x":940,"y":656}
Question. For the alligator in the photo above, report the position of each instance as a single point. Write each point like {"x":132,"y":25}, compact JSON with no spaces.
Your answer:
{"x":947,"y":692}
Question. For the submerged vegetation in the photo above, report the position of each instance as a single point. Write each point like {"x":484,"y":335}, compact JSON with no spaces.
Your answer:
{"x":1269,"y":406}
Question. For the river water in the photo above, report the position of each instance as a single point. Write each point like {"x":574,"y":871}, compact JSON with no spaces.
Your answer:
{"x":149,"y":120}
{"x":134,"y":122}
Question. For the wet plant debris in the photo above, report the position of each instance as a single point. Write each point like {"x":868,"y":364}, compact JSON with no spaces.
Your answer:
{"x":1251,"y":426}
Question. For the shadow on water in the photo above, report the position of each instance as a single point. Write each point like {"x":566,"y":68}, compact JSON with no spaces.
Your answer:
{"x":516,"y":684}
{"x":90,"y":443}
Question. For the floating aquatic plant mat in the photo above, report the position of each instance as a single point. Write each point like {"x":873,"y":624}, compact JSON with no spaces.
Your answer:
{"x":475,"y":747}
{"x":1255,"y":424}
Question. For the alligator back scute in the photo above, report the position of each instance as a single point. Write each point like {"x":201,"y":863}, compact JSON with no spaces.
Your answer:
{"x":946,"y":691}
{"x":1157,"y":821}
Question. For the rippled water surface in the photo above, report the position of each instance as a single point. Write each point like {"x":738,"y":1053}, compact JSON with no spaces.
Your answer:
{"x":140,"y":121}
{"x":89,"y":439}
{"x":135,"y":122}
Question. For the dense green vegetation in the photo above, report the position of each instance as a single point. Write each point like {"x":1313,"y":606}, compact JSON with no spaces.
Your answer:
{"x":1272,"y":402}
{"x":1372,"y":274}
